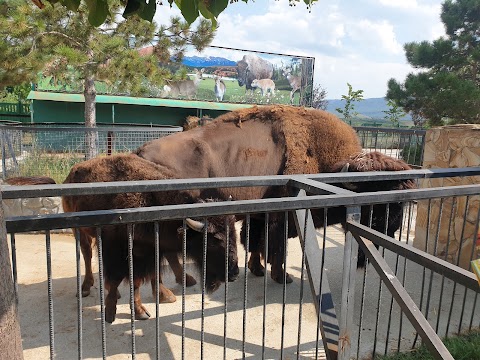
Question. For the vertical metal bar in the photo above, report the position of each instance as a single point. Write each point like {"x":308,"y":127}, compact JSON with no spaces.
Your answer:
{"x":473,"y":311}
{"x":227,"y":249}
{"x":4,"y":155}
{"x":102,"y":292}
{"x":184,"y":281}
{"x":284,"y":292}
{"x":379,"y":300}
{"x":457,"y":262}
{"x":404,"y":275}
{"x":364,"y":284}
{"x":325,"y":218}
{"x":14,"y":265}
{"x":247,"y":245}
{"x":454,"y":203}
{"x":157,"y":282}
{"x":389,"y":323}
{"x":79,"y":294}
{"x":265,"y":285}
{"x":427,"y":236}
{"x":434,"y":253}
{"x":50,"y":295}
{"x":300,"y":304}
{"x":130,"y":229}
{"x":348,"y":287}
{"x":204,"y":280}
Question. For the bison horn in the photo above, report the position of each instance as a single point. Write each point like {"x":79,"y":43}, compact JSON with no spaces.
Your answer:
{"x":345,"y":167}
{"x":195,"y":225}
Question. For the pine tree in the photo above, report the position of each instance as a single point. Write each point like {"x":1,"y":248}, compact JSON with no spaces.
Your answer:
{"x":65,"y":43}
{"x":447,"y":87}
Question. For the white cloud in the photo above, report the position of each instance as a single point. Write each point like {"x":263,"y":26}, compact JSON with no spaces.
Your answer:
{"x":358,"y":42}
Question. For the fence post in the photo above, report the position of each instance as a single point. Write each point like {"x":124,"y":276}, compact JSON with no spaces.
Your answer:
{"x":348,"y":287}
{"x":10,"y":338}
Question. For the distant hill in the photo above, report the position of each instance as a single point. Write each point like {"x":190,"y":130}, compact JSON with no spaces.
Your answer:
{"x":371,"y":108}
{"x":198,"y":61}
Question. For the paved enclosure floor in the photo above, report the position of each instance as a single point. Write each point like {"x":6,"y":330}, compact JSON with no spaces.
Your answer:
{"x":33,"y":307}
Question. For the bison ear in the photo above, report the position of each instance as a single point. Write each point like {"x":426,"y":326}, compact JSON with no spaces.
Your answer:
{"x":195,"y":225}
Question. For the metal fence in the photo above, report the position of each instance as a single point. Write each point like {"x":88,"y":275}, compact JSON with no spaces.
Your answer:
{"x":53,"y":150}
{"x":254,"y":317}
{"x":406,"y":144}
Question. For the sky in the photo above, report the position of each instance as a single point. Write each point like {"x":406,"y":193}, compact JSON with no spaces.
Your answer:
{"x":356,"y":41}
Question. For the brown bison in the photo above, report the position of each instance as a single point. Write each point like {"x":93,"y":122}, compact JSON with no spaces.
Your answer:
{"x":271,"y":140}
{"x":252,"y":67}
{"x":115,"y":238}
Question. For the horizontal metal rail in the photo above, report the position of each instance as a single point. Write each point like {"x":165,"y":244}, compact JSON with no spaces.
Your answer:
{"x":16,"y":192}
{"x":431,"y":262}
{"x":82,"y":128}
{"x":391,"y":130}
{"x":169,"y":212}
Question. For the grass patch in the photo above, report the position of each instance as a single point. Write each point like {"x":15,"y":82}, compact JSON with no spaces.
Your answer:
{"x":57,"y":166}
{"x":463,"y":347}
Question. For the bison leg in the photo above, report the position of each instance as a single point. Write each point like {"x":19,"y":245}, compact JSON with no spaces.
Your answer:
{"x":165,"y":294}
{"x":111,"y":300}
{"x":172,"y":259}
{"x":278,"y":272}
{"x":86,"y":247}
{"x":255,"y":265}
{"x":141,"y":312}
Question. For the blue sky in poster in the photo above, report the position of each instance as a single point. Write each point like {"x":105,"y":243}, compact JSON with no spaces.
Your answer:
{"x":360,"y":42}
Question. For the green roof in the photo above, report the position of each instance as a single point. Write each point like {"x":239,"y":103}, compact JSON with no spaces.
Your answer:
{"x":112,"y":99}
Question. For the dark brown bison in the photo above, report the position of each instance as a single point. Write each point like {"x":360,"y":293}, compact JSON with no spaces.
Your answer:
{"x":115,"y":238}
{"x":268,"y":140}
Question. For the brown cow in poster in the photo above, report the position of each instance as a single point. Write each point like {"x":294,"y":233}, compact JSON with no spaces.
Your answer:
{"x":271,"y":140}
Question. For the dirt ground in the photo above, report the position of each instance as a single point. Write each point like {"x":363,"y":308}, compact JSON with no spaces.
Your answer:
{"x":33,"y":308}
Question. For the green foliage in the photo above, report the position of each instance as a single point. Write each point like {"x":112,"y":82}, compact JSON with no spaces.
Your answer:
{"x":100,"y":10}
{"x":394,"y":113}
{"x":464,"y":347}
{"x":447,"y":90}
{"x":412,"y":154}
{"x":348,"y":112}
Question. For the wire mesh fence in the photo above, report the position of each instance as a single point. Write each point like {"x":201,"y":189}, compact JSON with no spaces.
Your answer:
{"x":53,"y":150}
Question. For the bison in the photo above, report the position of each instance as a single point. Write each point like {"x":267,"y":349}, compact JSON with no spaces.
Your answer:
{"x":252,"y":67}
{"x":115,"y":238}
{"x":269,"y":140}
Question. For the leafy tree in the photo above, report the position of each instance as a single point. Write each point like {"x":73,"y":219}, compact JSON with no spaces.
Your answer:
{"x":319,"y":97}
{"x":64,"y":42}
{"x":99,"y":10}
{"x":348,"y":112}
{"x":447,"y":90}
{"x":394,"y":113}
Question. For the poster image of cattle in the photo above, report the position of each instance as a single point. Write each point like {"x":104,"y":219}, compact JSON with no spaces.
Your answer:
{"x":216,"y":74}
{"x":240,"y":76}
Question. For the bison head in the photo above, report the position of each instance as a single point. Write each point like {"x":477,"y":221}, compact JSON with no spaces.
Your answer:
{"x":242,"y":72}
{"x":385,"y":218}
{"x":220,"y":233}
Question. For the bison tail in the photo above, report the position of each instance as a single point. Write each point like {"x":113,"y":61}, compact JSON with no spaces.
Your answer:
{"x":30,"y":180}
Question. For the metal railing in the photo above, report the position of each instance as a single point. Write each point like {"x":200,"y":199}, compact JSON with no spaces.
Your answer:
{"x":406,"y":144}
{"x":53,"y":150}
{"x":285,"y":309}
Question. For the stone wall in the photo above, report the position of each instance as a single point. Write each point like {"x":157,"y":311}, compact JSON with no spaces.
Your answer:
{"x":456,"y":147}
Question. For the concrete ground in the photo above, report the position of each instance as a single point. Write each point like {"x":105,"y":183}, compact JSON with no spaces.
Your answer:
{"x":33,"y":307}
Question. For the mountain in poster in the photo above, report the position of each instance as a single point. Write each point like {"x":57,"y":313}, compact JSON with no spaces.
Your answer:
{"x":200,"y":61}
